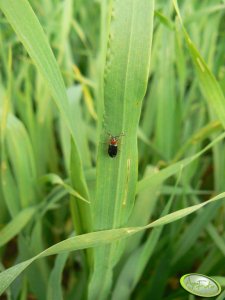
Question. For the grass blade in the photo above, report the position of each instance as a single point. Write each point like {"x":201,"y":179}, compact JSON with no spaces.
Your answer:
{"x":125,"y":83}
{"x":16,"y":225}
{"x":54,"y":287}
{"x":157,"y":178}
{"x":208,"y":83}
{"x":96,"y":239}
{"x":25,"y":23}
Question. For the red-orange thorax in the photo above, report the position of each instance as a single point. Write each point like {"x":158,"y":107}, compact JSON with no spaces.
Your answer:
{"x":113,"y":141}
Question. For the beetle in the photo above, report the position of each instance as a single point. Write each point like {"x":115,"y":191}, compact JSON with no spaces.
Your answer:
{"x":113,"y":145}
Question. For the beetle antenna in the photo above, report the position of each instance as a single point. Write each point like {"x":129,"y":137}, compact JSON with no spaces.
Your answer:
{"x":118,"y":136}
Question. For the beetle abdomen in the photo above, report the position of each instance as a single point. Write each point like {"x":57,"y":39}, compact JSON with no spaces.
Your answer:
{"x":112,"y":150}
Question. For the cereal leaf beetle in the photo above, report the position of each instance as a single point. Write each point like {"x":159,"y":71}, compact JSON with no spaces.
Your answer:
{"x":113,"y":144}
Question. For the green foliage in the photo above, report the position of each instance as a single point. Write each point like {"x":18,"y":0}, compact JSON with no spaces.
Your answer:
{"x":74,"y":73}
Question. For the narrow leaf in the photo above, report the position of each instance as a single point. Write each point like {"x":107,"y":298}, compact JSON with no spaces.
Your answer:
{"x":208,"y":83}
{"x":16,"y":225}
{"x":96,"y":239}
